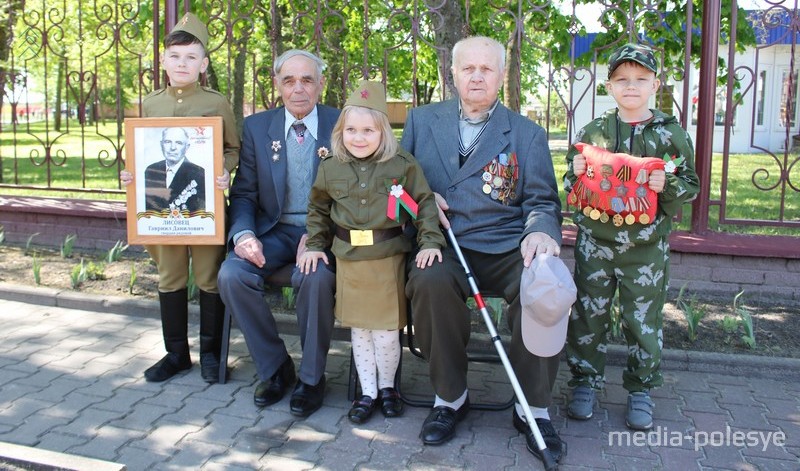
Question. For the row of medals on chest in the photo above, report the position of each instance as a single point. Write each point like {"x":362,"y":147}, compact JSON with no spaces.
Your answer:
{"x":581,"y":193}
{"x":500,"y":178}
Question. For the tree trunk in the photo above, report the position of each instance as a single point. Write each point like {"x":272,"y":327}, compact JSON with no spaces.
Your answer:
{"x":7,"y":22}
{"x":239,"y":66}
{"x":511,"y":82}
{"x":445,"y":38}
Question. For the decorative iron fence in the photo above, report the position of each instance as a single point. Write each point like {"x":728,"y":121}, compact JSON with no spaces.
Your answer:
{"x":72,"y":70}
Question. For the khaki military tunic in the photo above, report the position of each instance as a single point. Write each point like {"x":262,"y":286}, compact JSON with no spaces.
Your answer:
{"x":173,"y":260}
{"x":354,"y":195}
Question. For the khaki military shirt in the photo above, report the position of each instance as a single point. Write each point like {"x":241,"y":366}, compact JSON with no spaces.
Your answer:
{"x":354,"y":195}
{"x":195,"y":100}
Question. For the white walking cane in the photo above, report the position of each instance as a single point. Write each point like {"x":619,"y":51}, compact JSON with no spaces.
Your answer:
{"x":547,"y":459}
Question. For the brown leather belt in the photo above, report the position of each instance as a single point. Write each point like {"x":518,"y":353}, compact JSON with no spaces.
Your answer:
{"x":378,"y":235}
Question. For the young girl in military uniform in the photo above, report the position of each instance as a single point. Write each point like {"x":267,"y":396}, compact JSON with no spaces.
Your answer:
{"x":359,"y":203}
{"x":184,"y":59}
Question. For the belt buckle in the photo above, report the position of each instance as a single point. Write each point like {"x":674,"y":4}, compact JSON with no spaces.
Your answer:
{"x":360,"y":238}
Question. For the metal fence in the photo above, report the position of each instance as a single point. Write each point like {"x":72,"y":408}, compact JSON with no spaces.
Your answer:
{"x":73,"y":70}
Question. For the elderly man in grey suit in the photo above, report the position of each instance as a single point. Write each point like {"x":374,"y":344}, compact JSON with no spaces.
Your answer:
{"x":493,"y":179}
{"x":268,"y":204}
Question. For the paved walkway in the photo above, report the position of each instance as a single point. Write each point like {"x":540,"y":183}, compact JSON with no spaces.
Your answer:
{"x":71,"y":381}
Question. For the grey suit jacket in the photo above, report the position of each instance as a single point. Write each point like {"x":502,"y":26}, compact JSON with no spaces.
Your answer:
{"x":259,"y":189}
{"x":480,"y":223}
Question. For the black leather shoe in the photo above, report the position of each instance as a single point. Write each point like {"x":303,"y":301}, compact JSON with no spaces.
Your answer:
{"x":272,"y":391}
{"x":362,"y":410}
{"x":555,"y":445}
{"x":440,"y":425}
{"x":391,"y":404}
{"x":209,"y":367}
{"x":167,"y":367}
{"x":306,"y":399}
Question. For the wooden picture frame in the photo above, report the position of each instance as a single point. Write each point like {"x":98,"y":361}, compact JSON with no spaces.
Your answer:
{"x":190,"y":210}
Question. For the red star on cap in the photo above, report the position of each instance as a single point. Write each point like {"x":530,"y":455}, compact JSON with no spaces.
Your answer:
{"x":364,"y":93}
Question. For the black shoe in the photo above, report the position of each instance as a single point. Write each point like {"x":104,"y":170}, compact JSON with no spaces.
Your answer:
{"x":272,"y":391}
{"x":167,"y":367}
{"x":362,"y":409}
{"x":440,"y":425}
{"x":306,"y":399}
{"x":391,"y":404}
{"x":209,"y":367}
{"x":555,"y":445}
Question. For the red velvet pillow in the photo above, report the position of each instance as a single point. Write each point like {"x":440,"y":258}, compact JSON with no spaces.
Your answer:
{"x":614,"y":187}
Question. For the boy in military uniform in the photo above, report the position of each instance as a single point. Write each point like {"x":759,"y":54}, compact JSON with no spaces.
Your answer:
{"x":629,"y":255}
{"x":184,"y":59}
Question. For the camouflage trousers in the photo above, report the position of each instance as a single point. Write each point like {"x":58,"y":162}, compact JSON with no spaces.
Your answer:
{"x":641,"y":274}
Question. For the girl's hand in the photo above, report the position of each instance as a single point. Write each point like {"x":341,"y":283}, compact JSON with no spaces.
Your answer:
{"x":125,"y":177}
{"x":224,"y":180}
{"x":307,"y":262}
{"x":579,"y":165}
{"x":425,"y":257}
{"x":658,"y":178}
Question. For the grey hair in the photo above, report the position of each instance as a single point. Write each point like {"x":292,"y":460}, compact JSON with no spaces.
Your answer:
{"x":164,"y":132}
{"x":319,"y":63}
{"x":500,"y":49}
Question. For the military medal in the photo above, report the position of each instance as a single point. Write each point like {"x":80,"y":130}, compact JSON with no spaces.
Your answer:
{"x":617,"y":220}
{"x":630,"y":219}
{"x":487,"y":177}
{"x":604,"y":218}
{"x":487,"y":188}
{"x":276,"y":146}
{"x":644,"y":218}
{"x":495,"y":194}
{"x":595,"y":214}
{"x":587,"y":210}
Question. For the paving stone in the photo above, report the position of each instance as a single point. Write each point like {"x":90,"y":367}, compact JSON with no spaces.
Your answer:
{"x":678,"y":458}
{"x":136,"y":458}
{"x":192,"y":455}
{"x":88,"y":423}
{"x":60,"y":442}
{"x":747,"y":417}
{"x":221,"y":430}
{"x":141,"y":418}
{"x":73,"y":403}
{"x":165,"y":436}
{"x":58,"y":389}
{"x":343,"y":459}
{"x":106,"y":442}
{"x":20,"y":408}
{"x":33,"y":427}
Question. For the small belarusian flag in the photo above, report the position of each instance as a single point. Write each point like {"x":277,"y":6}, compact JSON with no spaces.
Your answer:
{"x":398,"y":197}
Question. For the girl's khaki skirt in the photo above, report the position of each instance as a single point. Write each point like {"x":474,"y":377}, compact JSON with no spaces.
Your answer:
{"x":370,"y":294}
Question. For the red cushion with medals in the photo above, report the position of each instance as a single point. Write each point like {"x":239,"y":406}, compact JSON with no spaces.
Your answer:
{"x":615,"y":186}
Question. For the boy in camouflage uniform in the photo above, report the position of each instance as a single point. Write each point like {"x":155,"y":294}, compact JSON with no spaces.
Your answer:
{"x":633,"y":258}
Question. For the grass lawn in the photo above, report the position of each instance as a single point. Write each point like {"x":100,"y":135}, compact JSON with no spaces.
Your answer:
{"x":23,"y":163}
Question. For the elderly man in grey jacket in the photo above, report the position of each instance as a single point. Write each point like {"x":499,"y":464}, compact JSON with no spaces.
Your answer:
{"x":492,"y":174}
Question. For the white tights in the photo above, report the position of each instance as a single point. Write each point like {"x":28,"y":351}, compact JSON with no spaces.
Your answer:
{"x":375,"y":350}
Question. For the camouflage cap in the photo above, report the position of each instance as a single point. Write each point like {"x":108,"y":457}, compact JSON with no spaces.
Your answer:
{"x":370,"y":95}
{"x":191,"y":24}
{"x":639,"y":53}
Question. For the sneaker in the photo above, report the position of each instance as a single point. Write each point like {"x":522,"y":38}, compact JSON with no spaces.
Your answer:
{"x":582,"y":402}
{"x":639,"y":415}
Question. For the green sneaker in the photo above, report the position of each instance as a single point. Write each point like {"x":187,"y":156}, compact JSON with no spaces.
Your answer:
{"x":640,"y":411}
{"x":582,"y":402}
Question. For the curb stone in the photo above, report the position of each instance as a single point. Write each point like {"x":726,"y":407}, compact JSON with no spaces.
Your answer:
{"x":779,"y":368}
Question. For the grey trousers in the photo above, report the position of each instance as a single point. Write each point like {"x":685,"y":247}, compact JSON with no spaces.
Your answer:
{"x":241,"y":285}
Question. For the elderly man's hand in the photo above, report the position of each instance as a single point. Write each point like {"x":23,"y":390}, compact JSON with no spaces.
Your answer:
{"x":536,"y":243}
{"x":442,"y":205}
{"x":249,"y":248}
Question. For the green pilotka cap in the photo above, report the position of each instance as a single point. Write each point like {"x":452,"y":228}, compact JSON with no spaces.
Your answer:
{"x":370,"y":95}
{"x":639,"y":53}
{"x":192,"y":25}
